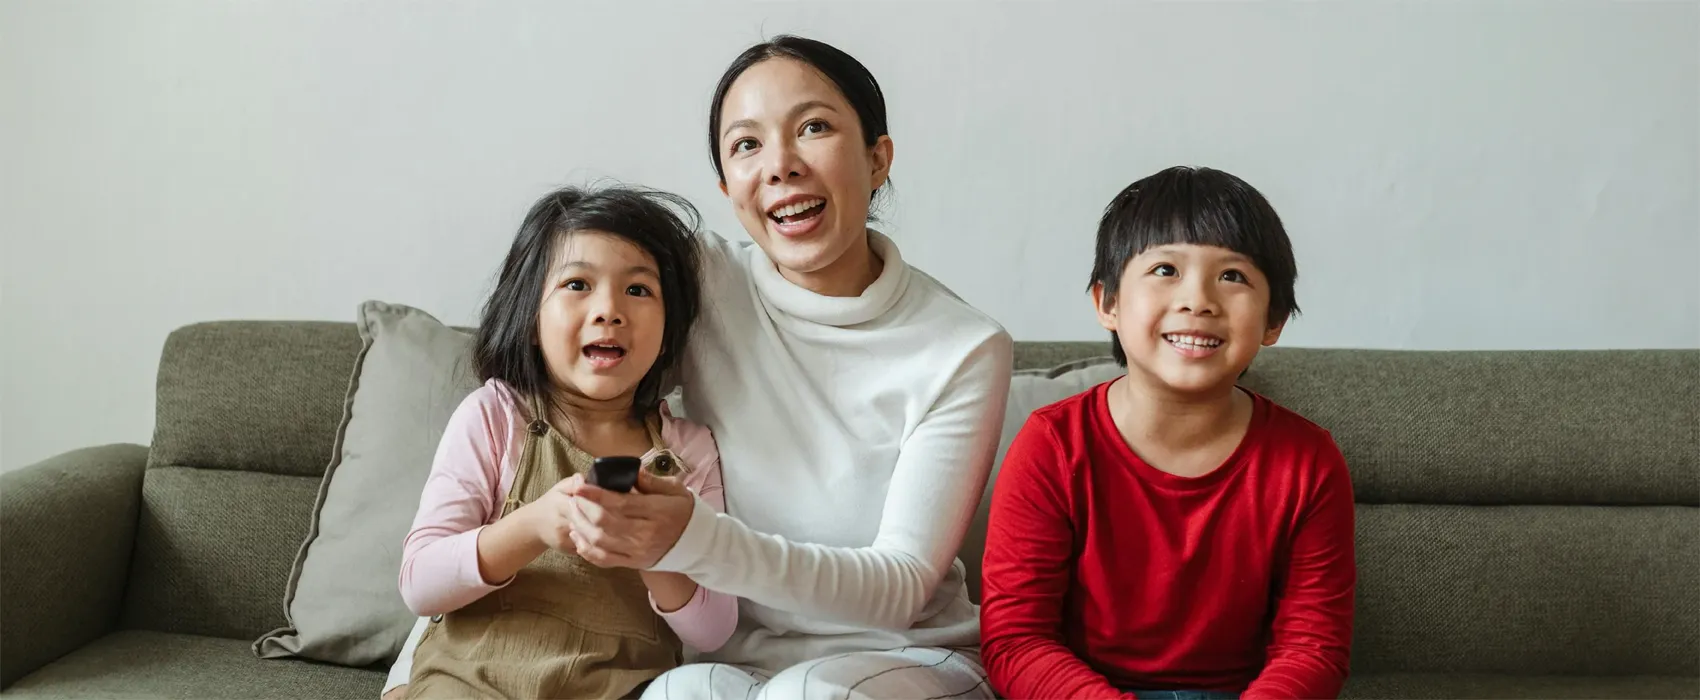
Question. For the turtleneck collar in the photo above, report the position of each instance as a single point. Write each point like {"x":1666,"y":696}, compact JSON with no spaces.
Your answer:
{"x":834,"y":311}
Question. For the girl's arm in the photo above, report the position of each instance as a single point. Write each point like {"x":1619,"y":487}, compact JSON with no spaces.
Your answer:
{"x":702,"y":618}
{"x":451,"y":557}
{"x":935,"y":488}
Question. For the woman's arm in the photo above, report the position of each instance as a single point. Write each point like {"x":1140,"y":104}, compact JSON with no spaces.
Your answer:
{"x":935,"y":487}
{"x":703,"y":619}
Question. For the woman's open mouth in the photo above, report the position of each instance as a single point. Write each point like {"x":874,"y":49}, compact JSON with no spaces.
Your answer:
{"x":796,"y":216}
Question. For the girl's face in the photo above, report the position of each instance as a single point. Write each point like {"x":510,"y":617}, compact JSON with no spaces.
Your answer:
{"x":602,"y":317}
{"x":798,"y":172}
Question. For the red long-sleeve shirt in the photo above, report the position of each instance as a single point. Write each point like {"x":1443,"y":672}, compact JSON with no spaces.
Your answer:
{"x":1103,"y":574}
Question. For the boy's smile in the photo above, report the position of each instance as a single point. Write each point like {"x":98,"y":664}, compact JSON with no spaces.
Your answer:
{"x":1190,"y":317}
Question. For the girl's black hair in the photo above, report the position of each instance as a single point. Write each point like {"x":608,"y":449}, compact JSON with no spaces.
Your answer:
{"x":505,"y":347}
{"x":852,"y":78}
{"x":1201,"y":206}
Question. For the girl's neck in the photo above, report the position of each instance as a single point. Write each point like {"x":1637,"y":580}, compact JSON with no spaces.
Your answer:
{"x":848,"y":276}
{"x":1171,"y":422}
{"x":582,"y":415}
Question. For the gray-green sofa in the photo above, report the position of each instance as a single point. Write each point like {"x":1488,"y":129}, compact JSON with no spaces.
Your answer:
{"x":1529,"y":522}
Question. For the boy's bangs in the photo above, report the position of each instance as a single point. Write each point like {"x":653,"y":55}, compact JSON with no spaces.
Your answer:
{"x":1185,"y":216}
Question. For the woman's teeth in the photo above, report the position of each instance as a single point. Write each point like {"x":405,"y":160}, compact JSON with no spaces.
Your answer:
{"x":794,"y":210}
{"x":1191,"y":341}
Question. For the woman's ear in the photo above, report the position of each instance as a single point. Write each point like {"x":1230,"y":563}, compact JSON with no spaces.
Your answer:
{"x":880,"y":153}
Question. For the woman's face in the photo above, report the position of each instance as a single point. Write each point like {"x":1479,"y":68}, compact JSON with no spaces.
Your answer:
{"x":799,"y":175}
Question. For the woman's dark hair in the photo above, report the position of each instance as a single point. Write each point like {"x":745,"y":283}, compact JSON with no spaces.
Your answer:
{"x":852,"y":78}
{"x":1200,"y":206}
{"x":505,"y":347}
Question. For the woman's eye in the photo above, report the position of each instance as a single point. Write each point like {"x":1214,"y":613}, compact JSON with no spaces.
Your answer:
{"x":743,"y":144}
{"x":1234,"y":276}
{"x":576,"y":285}
{"x":1164,"y":270}
{"x":638,"y":290}
{"x":815,"y":127}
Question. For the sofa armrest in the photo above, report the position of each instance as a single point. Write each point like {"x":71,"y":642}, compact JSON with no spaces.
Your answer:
{"x":69,"y":524}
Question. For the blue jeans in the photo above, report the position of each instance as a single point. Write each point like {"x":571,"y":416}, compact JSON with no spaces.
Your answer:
{"x":1184,"y":695}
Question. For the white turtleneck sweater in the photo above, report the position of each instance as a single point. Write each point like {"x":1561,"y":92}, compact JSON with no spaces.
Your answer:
{"x":856,"y":435}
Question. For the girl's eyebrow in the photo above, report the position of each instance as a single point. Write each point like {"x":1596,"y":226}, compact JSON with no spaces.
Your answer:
{"x":585,"y":265}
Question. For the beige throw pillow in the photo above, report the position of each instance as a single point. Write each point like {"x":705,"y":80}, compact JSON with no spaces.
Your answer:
{"x":342,"y":600}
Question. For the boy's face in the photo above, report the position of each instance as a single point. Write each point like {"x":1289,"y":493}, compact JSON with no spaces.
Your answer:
{"x":1190,"y":316}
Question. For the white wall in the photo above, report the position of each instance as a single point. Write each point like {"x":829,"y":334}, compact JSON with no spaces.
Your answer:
{"x":1458,"y":175}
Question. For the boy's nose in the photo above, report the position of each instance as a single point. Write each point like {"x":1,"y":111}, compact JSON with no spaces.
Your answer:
{"x":610,"y":318}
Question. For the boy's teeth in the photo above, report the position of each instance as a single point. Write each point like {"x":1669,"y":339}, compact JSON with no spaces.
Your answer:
{"x":1193,"y":340}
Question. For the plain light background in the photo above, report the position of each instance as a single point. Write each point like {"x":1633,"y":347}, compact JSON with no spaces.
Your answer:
{"x":1453,"y":175}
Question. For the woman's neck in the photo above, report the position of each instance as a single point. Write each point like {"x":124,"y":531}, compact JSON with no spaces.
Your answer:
{"x":848,"y":276}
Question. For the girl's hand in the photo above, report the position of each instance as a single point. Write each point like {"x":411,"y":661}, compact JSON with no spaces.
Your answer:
{"x":550,"y":516}
{"x":632,"y":530}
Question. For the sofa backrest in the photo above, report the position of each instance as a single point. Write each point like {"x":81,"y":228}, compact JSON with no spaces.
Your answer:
{"x":1519,"y":512}
{"x":245,"y":419}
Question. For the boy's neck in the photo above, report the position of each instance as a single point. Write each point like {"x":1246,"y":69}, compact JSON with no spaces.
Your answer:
{"x":1161,"y":424}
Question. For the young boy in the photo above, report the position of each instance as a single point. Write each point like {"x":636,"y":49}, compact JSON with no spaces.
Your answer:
{"x":1168,"y":531}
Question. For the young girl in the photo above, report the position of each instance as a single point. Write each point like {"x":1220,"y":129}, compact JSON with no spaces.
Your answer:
{"x":592,"y":308}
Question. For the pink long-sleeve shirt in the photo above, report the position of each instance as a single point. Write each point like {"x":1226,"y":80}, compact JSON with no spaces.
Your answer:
{"x":470,"y":477}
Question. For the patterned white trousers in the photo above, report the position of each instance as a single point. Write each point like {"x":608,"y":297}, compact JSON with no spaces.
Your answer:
{"x":910,"y":673}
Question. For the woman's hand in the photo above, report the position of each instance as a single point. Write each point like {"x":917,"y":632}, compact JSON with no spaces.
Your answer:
{"x":632,"y":530}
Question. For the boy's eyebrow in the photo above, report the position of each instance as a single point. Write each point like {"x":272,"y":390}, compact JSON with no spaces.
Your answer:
{"x":800,"y":108}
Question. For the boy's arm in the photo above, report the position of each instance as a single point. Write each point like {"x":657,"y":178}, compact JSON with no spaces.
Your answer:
{"x":1026,"y":573}
{"x":1311,"y":639}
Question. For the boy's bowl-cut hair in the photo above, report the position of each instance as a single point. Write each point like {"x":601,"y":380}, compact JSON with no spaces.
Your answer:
{"x":1199,"y":206}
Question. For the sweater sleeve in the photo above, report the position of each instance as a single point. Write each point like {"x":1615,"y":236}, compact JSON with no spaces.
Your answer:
{"x":708,"y":619}
{"x":935,"y":487}
{"x":439,"y":565}
{"x":1311,"y":638}
{"x":1027,"y":572}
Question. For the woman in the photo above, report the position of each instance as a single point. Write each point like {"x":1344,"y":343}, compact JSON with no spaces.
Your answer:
{"x":856,"y":401}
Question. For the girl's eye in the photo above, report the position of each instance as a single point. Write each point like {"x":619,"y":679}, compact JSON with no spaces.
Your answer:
{"x":1234,"y":276}
{"x":743,"y":144}
{"x":1164,"y":270}
{"x":638,"y":290}
{"x":815,"y":127}
{"x":576,"y":285}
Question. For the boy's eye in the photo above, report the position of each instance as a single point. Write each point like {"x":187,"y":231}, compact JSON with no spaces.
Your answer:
{"x":743,"y":144}
{"x":1164,"y":270}
{"x":638,"y":290}
{"x":576,"y":285}
{"x":1234,"y":276}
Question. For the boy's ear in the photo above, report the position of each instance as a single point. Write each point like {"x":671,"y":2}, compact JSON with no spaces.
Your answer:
{"x":1105,"y":306}
{"x":1273,"y":334}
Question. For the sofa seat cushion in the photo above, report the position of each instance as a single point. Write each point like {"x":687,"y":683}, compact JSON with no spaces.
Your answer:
{"x":139,"y":664}
{"x":1457,"y":685}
